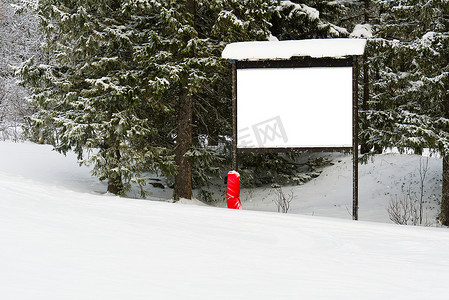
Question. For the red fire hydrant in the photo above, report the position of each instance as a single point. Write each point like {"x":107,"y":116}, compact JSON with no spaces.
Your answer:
{"x":233,"y":190}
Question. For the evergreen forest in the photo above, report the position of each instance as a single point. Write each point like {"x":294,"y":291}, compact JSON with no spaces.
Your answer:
{"x":135,"y":87}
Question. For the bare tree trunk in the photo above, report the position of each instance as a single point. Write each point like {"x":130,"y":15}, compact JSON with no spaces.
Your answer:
{"x":183,"y":178}
{"x":444,"y":215}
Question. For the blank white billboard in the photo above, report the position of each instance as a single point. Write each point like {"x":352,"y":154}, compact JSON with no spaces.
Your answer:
{"x":294,"y":107}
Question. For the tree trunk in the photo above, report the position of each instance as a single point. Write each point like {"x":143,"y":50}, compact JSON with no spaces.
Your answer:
{"x":115,"y":184}
{"x":444,"y":215}
{"x":364,"y":146}
{"x":191,"y":8}
{"x":183,"y":178}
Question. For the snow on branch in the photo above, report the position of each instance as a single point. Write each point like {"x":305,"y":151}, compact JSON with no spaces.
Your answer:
{"x":312,"y":13}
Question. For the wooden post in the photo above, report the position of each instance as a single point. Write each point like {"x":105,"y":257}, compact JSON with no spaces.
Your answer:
{"x":355,"y":140}
{"x":234,"y":116}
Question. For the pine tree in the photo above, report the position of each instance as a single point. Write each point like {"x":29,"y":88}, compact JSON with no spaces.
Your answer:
{"x":411,"y":83}
{"x":185,"y":41}
{"x":361,"y":16}
{"x":88,"y":93}
{"x":141,"y":86}
{"x":122,"y":74}
{"x":296,"y":20}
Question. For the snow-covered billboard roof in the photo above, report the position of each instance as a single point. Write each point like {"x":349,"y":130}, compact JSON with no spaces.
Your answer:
{"x":275,"y":50}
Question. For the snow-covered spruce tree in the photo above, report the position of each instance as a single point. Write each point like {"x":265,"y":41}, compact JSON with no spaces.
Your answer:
{"x":411,"y":82}
{"x":360,"y":17}
{"x":182,"y":50}
{"x":308,"y":19}
{"x":88,"y":92}
{"x":19,"y":41}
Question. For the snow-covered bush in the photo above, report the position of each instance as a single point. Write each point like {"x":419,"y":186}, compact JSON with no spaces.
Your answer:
{"x":409,"y":208}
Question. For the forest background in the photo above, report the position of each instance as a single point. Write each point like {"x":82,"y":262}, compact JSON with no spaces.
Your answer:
{"x":139,"y":87}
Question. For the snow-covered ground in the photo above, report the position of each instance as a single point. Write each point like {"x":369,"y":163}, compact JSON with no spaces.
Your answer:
{"x":62,"y":238}
{"x":385,"y":177}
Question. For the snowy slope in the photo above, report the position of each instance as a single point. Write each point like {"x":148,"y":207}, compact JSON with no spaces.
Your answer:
{"x":66,"y":242}
{"x":42,"y":164}
{"x":383,"y":178}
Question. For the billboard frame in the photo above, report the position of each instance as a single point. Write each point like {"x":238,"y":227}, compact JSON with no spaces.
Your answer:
{"x":302,"y":62}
